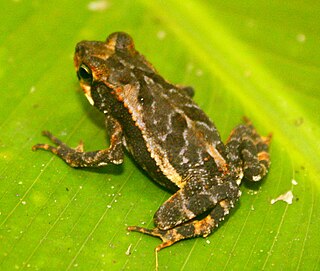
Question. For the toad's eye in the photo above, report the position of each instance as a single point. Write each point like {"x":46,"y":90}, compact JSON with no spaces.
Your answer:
{"x":85,"y":74}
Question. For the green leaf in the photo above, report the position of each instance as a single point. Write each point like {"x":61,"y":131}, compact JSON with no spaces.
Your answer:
{"x":244,"y":58}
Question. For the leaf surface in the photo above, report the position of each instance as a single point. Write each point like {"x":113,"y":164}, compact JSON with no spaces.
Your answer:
{"x":244,"y":58}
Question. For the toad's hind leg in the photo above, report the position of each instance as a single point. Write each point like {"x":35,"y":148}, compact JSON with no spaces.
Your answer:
{"x":249,"y":150}
{"x":191,"y":229}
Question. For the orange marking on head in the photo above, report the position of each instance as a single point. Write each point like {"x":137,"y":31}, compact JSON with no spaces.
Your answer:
{"x":230,"y":135}
{"x":247,"y":120}
{"x":267,"y":139}
{"x":119,"y":98}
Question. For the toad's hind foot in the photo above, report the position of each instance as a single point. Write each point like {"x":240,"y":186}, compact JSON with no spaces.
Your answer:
{"x":169,"y":237}
{"x":191,"y":229}
{"x":154,"y":232}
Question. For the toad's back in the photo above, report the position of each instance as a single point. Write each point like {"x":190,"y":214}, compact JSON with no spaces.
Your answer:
{"x":160,"y":120}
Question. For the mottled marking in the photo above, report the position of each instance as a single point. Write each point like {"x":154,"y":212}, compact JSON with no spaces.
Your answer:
{"x":220,"y":161}
{"x":148,"y":80}
{"x":263,"y":156}
{"x":203,"y":227}
{"x":188,"y":213}
{"x":129,"y":96}
{"x":225,"y":205}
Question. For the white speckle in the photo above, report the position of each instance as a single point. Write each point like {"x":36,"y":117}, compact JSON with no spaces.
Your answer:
{"x":98,"y":5}
{"x":294,"y":182}
{"x":32,"y":89}
{"x":161,"y":34}
{"x":63,"y":133}
{"x":301,"y":37}
{"x":238,"y":182}
{"x":20,"y":182}
{"x":256,"y":178}
{"x":247,"y":73}
{"x":23,"y":202}
{"x":252,"y":208}
{"x":208,"y":241}
{"x":80,"y":187}
{"x":109,"y":206}
{"x":251,"y":23}
{"x":184,"y":160}
{"x":190,"y":67}
{"x":128,"y":252}
{"x":112,"y":187}
{"x":287,"y":197}
{"x":102,"y":164}
{"x":143,"y":223}
{"x":199,"y":72}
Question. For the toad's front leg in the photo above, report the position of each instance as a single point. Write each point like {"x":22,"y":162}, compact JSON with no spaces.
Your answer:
{"x":77,"y":157}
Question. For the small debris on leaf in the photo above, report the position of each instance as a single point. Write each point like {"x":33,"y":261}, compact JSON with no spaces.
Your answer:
{"x":287,"y":197}
{"x":128,"y":252}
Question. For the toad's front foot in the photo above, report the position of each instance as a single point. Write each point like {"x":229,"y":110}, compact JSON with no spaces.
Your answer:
{"x":77,"y":157}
